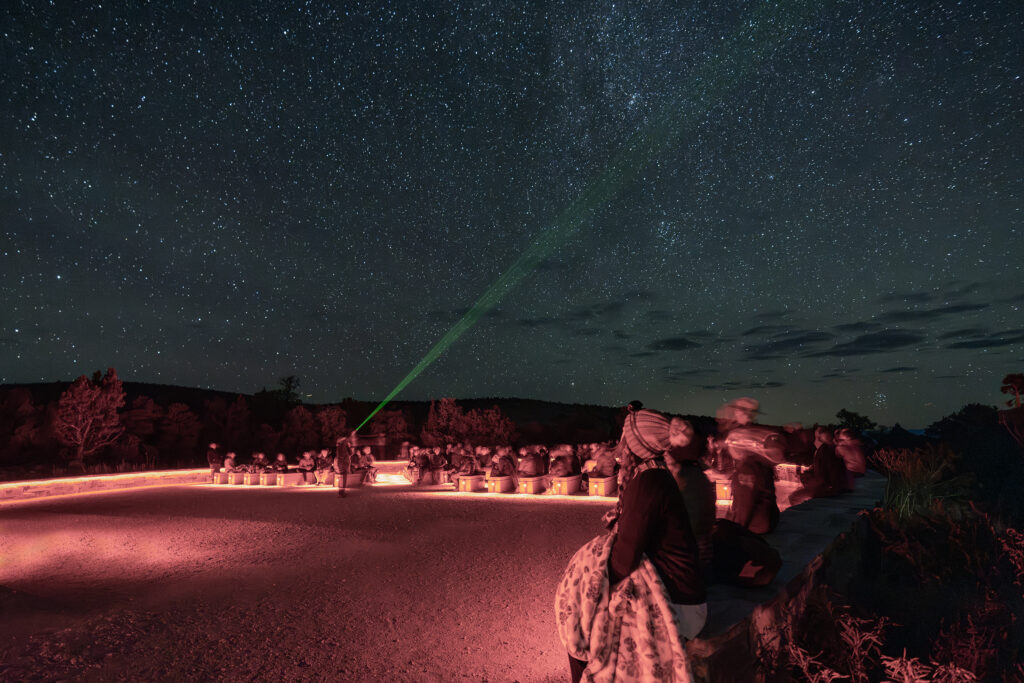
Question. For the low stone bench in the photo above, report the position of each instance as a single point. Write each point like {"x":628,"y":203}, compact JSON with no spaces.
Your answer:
{"x":252,"y":478}
{"x":353,"y":481}
{"x":500,"y":485}
{"x":219,"y":477}
{"x":531,"y":484}
{"x":286,"y":479}
{"x":603,"y":486}
{"x":236,"y":477}
{"x":566,"y":486}
{"x":470,"y":483}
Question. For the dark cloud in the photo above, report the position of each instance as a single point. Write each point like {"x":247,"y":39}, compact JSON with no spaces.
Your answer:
{"x":930,"y":313}
{"x":763,"y":329}
{"x":672,"y":374}
{"x":672,"y":344}
{"x":1008,"y":338}
{"x":773,"y":315}
{"x":860,"y":326}
{"x":585,"y":332}
{"x":898,"y":368}
{"x":620,"y":334}
{"x":643,"y":354}
{"x":788,"y":343}
{"x":965,"y":332}
{"x":875,"y":342}
{"x":737,"y":386}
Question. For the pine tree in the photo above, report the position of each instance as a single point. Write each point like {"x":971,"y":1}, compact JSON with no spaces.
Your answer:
{"x":87,"y":419}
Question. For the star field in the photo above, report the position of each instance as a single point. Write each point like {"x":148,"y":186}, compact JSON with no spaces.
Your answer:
{"x":218,"y":196}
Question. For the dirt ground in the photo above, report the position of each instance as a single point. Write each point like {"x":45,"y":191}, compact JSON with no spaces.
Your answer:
{"x":190,"y":583}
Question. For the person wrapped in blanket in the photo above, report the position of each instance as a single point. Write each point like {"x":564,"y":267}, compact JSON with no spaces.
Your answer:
{"x":322,"y":466}
{"x":601,"y":464}
{"x":650,"y":521}
{"x":828,"y":475}
{"x":229,"y":463}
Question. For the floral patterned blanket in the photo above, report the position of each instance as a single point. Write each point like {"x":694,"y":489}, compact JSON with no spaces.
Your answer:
{"x":629,"y":634}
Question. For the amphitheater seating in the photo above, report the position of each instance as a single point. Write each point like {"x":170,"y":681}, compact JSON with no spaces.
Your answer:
{"x":236,"y":477}
{"x":220,"y":477}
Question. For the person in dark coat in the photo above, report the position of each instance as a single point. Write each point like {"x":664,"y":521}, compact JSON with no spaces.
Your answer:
{"x":214,"y":458}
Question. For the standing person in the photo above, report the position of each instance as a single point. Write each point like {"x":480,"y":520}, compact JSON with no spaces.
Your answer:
{"x":343,"y":459}
{"x":652,"y":555}
{"x":214,"y":458}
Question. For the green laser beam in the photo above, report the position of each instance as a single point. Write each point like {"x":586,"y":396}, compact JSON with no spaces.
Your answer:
{"x":753,"y":43}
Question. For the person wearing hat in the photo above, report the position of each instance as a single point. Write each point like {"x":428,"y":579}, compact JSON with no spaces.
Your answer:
{"x":651,"y":521}
{"x":683,"y":460}
{"x":754,"y":451}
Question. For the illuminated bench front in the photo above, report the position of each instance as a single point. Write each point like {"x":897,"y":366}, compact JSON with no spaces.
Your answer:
{"x":471,"y":482}
{"x":353,"y":480}
{"x":220,"y":477}
{"x":566,"y":486}
{"x":286,"y":479}
{"x":531,"y":484}
{"x":236,"y":477}
{"x":252,"y":478}
{"x":500,"y":485}
{"x":603,"y":486}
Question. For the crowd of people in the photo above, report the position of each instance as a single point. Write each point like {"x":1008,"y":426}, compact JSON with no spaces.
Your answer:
{"x":316,"y":467}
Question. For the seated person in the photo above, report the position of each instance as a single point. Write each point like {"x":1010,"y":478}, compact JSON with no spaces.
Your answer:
{"x":322,"y":466}
{"x":279,"y":465}
{"x":438,"y":459}
{"x":603,"y":459}
{"x":564,"y":462}
{"x":366,"y":465}
{"x":229,"y":463}
{"x":259,"y":464}
{"x":698,"y":491}
{"x":502,"y":464}
{"x":466,"y":467}
{"x":850,"y":447}
{"x":530,"y":463}
{"x":827,"y":476}
{"x":306,"y":465}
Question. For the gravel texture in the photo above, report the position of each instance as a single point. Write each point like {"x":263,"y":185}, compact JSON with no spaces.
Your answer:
{"x":205,"y":582}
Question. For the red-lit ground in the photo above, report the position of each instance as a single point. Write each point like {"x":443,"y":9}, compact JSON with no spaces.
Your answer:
{"x":216,"y":582}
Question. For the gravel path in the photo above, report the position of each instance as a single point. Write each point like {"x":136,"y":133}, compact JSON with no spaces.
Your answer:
{"x":286,"y":584}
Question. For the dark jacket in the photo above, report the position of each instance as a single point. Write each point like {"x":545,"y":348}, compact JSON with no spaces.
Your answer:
{"x":654,"y":523}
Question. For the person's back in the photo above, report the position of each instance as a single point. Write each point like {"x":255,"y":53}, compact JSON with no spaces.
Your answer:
{"x":531,"y":465}
{"x":753,"y":495}
{"x":655,"y":523}
{"x":604,"y":462}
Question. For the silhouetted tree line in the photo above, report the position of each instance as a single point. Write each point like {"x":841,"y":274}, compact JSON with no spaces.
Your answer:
{"x":99,"y":424}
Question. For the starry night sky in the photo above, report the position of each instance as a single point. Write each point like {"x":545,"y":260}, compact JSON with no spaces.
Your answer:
{"x":215,"y":195}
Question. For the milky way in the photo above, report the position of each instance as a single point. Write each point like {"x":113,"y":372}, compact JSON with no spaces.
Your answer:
{"x":218,"y":196}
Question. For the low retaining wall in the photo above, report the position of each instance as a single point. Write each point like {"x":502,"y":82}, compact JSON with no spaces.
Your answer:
{"x":45,"y":488}
{"x":743,"y":620}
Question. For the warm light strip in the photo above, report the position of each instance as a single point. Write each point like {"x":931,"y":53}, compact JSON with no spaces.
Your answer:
{"x":36,"y":483}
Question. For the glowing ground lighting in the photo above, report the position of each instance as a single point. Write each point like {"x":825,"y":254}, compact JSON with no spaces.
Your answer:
{"x":736,"y":59}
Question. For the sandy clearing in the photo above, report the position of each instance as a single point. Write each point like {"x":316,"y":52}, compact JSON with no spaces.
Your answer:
{"x":203,"y":582}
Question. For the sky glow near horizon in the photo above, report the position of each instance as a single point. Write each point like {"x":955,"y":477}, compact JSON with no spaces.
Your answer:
{"x":218,"y":197}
